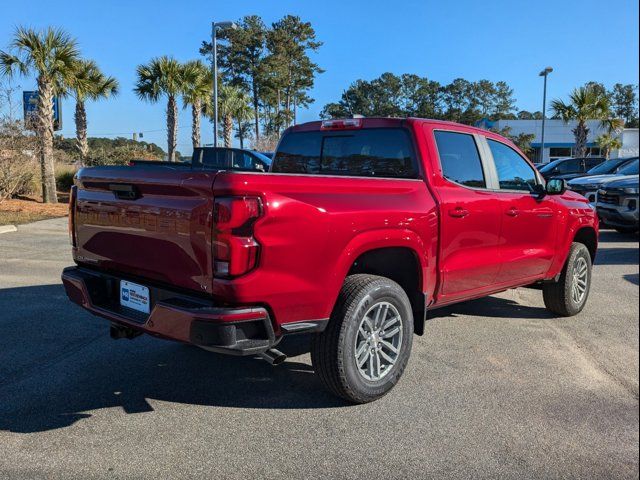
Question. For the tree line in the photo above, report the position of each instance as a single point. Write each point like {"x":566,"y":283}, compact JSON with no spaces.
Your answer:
{"x":461,"y":101}
{"x":266,"y":74}
{"x":411,"y":95}
{"x":272,"y":67}
{"x":468,"y":102}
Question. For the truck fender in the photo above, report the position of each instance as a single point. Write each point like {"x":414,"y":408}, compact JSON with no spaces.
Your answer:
{"x":377,"y":239}
{"x":578,"y":222}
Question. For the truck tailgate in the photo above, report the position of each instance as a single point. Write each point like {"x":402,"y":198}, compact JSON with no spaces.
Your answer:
{"x":153,"y":223}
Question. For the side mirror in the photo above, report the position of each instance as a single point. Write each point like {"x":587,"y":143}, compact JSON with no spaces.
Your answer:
{"x":556,"y":186}
{"x":539,"y":191}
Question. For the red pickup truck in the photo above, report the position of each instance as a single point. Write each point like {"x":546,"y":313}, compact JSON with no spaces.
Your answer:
{"x":359,"y":227}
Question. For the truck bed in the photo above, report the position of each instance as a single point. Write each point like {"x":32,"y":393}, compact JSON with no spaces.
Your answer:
{"x":166,"y":233}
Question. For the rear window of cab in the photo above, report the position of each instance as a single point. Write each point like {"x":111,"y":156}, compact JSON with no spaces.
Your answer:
{"x":374,"y":152}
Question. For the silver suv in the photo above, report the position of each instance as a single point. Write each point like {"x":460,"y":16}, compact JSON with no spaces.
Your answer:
{"x":617,"y":204}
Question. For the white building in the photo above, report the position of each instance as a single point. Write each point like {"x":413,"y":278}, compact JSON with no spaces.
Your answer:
{"x":559,"y":139}
{"x":630,"y":147}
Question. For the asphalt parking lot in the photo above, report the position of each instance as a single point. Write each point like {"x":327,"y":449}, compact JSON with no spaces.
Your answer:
{"x":495,"y":388}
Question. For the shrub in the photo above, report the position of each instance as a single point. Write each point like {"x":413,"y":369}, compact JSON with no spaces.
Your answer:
{"x":118,"y":156}
{"x":64,"y":180}
{"x":16,"y":177}
{"x":18,"y":167}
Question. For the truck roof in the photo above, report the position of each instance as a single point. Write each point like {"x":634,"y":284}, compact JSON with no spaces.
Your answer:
{"x":389,"y":122}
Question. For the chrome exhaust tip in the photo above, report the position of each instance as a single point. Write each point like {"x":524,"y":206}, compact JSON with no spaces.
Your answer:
{"x":273,"y":356}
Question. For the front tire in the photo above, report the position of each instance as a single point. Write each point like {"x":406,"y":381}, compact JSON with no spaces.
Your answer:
{"x":568,"y":296}
{"x":365,"y":348}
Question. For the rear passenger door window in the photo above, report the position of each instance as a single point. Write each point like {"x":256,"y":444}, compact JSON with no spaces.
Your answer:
{"x":593,"y":162}
{"x":460,"y":159}
{"x":514,"y":172}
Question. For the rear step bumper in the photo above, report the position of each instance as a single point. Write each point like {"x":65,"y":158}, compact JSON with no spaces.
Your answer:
{"x":174,"y":316}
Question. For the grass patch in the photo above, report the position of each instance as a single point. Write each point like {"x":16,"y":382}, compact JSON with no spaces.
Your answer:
{"x":26,"y":210}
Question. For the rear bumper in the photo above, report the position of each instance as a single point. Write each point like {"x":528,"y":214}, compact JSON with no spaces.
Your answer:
{"x":174,"y":316}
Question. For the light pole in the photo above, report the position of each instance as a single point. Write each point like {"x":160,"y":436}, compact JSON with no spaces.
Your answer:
{"x":214,"y":68}
{"x":544,"y":73}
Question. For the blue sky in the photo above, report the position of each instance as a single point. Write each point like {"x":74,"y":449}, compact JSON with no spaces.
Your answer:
{"x":582,"y":40}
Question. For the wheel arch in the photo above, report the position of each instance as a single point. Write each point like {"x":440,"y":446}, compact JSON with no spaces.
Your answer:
{"x":583,"y":232}
{"x":394,"y":254}
{"x":589,"y":238}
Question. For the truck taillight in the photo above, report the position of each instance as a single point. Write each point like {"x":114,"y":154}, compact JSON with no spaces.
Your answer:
{"x":72,"y":215}
{"x":235,"y":251}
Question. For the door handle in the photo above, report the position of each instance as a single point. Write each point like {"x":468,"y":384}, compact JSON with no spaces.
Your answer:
{"x":458,"y":212}
{"x":513,"y":212}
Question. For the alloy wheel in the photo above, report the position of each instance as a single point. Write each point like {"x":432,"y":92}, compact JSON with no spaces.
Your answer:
{"x":378,"y":342}
{"x":580,"y":279}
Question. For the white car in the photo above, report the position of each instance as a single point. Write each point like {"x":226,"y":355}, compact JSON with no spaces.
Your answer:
{"x":604,"y":173}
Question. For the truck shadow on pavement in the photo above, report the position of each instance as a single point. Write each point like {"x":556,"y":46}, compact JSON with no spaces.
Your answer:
{"x":58,"y":364}
{"x":494,"y":307}
{"x":632,"y":278}
{"x":617,"y":256}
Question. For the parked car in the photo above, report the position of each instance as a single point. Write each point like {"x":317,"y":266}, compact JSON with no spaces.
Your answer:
{"x":568,"y":168}
{"x":215,"y":158}
{"x":617,"y":204}
{"x":605,"y":172}
{"x":360,"y":227}
{"x":230,"y":159}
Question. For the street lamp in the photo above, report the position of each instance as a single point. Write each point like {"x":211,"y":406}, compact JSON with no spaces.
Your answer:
{"x":544,"y":73}
{"x":214,"y":68}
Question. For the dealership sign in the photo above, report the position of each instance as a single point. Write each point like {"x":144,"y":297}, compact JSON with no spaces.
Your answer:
{"x":30,"y":106}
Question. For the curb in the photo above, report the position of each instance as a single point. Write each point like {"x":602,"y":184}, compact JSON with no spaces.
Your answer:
{"x":8,"y":228}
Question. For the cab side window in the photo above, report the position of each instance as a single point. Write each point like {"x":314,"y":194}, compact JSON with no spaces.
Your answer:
{"x":514,"y":172}
{"x":569,"y":166}
{"x":245,"y":161}
{"x":460,"y":159}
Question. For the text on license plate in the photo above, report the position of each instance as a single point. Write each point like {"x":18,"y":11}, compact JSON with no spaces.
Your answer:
{"x":134,"y":296}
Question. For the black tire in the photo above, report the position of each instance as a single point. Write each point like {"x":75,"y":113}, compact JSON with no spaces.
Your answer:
{"x":558,"y":296}
{"x":333,"y":351}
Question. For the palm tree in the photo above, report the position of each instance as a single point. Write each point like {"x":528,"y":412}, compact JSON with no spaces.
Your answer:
{"x":243,"y":115}
{"x":244,"y":129}
{"x":51,"y":55}
{"x":585,"y":103}
{"x":232,"y":103}
{"x":608,"y":142}
{"x":88,"y":83}
{"x":197,"y":93}
{"x":163,"y":76}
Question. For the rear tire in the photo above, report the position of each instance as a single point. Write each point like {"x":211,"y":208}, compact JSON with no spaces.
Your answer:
{"x":365,"y":348}
{"x":568,"y":296}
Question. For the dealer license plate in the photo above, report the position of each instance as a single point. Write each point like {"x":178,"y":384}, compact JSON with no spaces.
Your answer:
{"x":134,"y":296}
